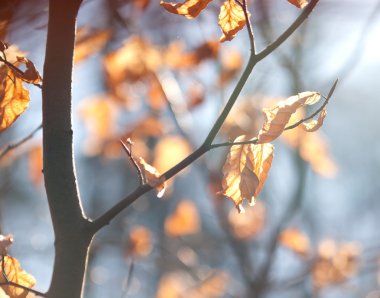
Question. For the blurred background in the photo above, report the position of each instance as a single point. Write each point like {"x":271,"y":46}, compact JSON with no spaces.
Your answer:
{"x":161,"y":80}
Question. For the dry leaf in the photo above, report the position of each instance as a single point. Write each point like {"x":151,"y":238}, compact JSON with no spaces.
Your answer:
{"x":31,"y":74}
{"x":17,"y":275}
{"x":296,"y":241}
{"x":184,"y":221}
{"x":299,"y":3}
{"x":314,"y":125}
{"x":88,"y":43}
{"x":190,"y":8}
{"x":231,"y":19}
{"x":277,"y":118}
{"x":248,"y":225}
{"x":153,"y":177}
{"x":5,"y":242}
{"x":14,"y":98}
{"x":245,"y":171}
{"x":140,"y":242}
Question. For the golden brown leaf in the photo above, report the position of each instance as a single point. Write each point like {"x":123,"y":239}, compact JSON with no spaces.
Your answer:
{"x":184,"y":220}
{"x":248,"y":225}
{"x":140,"y":242}
{"x":189,"y":9}
{"x":299,"y":3}
{"x":88,"y":43}
{"x":314,"y":125}
{"x":5,"y":242}
{"x":31,"y":74}
{"x":277,"y":118}
{"x":17,"y":275}
{"x":2,"y":294}
{"x":296,"y":241}
{"x":153,"y":177}
{"x":245,"y":171}
{"x":231,"y":19}
{"x":35,"y":161}
{"x":14,"y":98}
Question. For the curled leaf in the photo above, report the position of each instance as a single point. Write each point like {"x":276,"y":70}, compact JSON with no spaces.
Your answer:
{"x":189,"y":9}
{"x":231,"y":19}
{"x":245,"y":171}
{"x":277,"y":118}
{"x":5,"y":242}
{"x":31,"y":74}
{"x":299,"y":3}
{"x":16,"y":274}
{"x":314,"y":125}
{"x":153,"y":177}
{"x":14,"y":98}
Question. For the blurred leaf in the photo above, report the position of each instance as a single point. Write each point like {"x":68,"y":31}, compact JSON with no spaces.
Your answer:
{"x":314,"y":125}
{"x":231,"y":19}
{"x":17,"y":275}
{"x":152,"y":177}
{"x":190,"y":8}
{"x":245,"y":171}
{"x":7,"y":9}
{"x":89,"y":42}
{"x":296,"y":241}
{"x":141,"y":4}
{"x":184,"y":221}
{"x":277,"y":118}
{"x":231,"y":65}
{"x":5,"y":242}
{"x":14,"y":98}
{"x":299,"y":3}
{"x":140,"y":242}
{"x":35,"y":160}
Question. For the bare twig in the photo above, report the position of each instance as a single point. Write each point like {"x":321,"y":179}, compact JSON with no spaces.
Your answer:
{"x":251,"y":36}
{"x":131,"y":158}
{"x":20,"y":142}
{"x":13,"y":284}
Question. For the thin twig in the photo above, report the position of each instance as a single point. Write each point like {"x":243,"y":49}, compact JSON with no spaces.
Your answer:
{"x":249,"y":26}
{"x":229,"y":144}
{"x":131,"y":158}
{"x":11,"y":283}
{"x":20,"y":142}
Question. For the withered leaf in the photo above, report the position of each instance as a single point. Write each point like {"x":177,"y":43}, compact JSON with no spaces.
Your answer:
{"x":231,"y":19}
{"x":14,"y":98}
{"x":299,"y":3}
{"x":276,"y":119}
{"x":153,"y":177}
{"x":189,"y":9}
{"x":17,"y":275}
{"x":245,"y":171}
{"x":184,"y":220}
{"x":31,"y":74}
{"x":314,"y":125}
{"x":5,"y":242}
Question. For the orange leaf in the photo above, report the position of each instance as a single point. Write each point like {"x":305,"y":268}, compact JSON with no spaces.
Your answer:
{"x":189,"y":9}
{"x":277,"y":118}
{"x":14,"y":98}
{"x":17,"y":275}
{"x":140,"y":241}
{"x":5,"y":242}
{"x":314,"y":125}
{"x":31,"y":74}
{"x":184,"y":220}
{"x":299,"y":3}
{"x":295,"y":241}
{"x":231,"y":19}
{"x":153,"y":177}
{"x":245,"y":171}
{"x":35,"y":160}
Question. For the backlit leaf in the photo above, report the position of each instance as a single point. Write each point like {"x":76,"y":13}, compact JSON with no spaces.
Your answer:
{"x":139,"y":242}
{"x":17,"y":275}
{"x":277,"y":118}
{"x":31,"y":74}
{"x":231,"y":19}
{"x":314,"y":125}
{"x":299,"y":3}
{"x":152,"y":177}
{"x":296,"y":241}
{"x":184,"y":220}
{"x":245,"y":171}
{"x":14,"y":98}
{"x":190,"y":8}
{"x":5,"y":242}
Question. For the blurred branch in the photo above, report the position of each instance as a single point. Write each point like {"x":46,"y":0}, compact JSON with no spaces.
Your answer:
{"x":10,"y":147}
